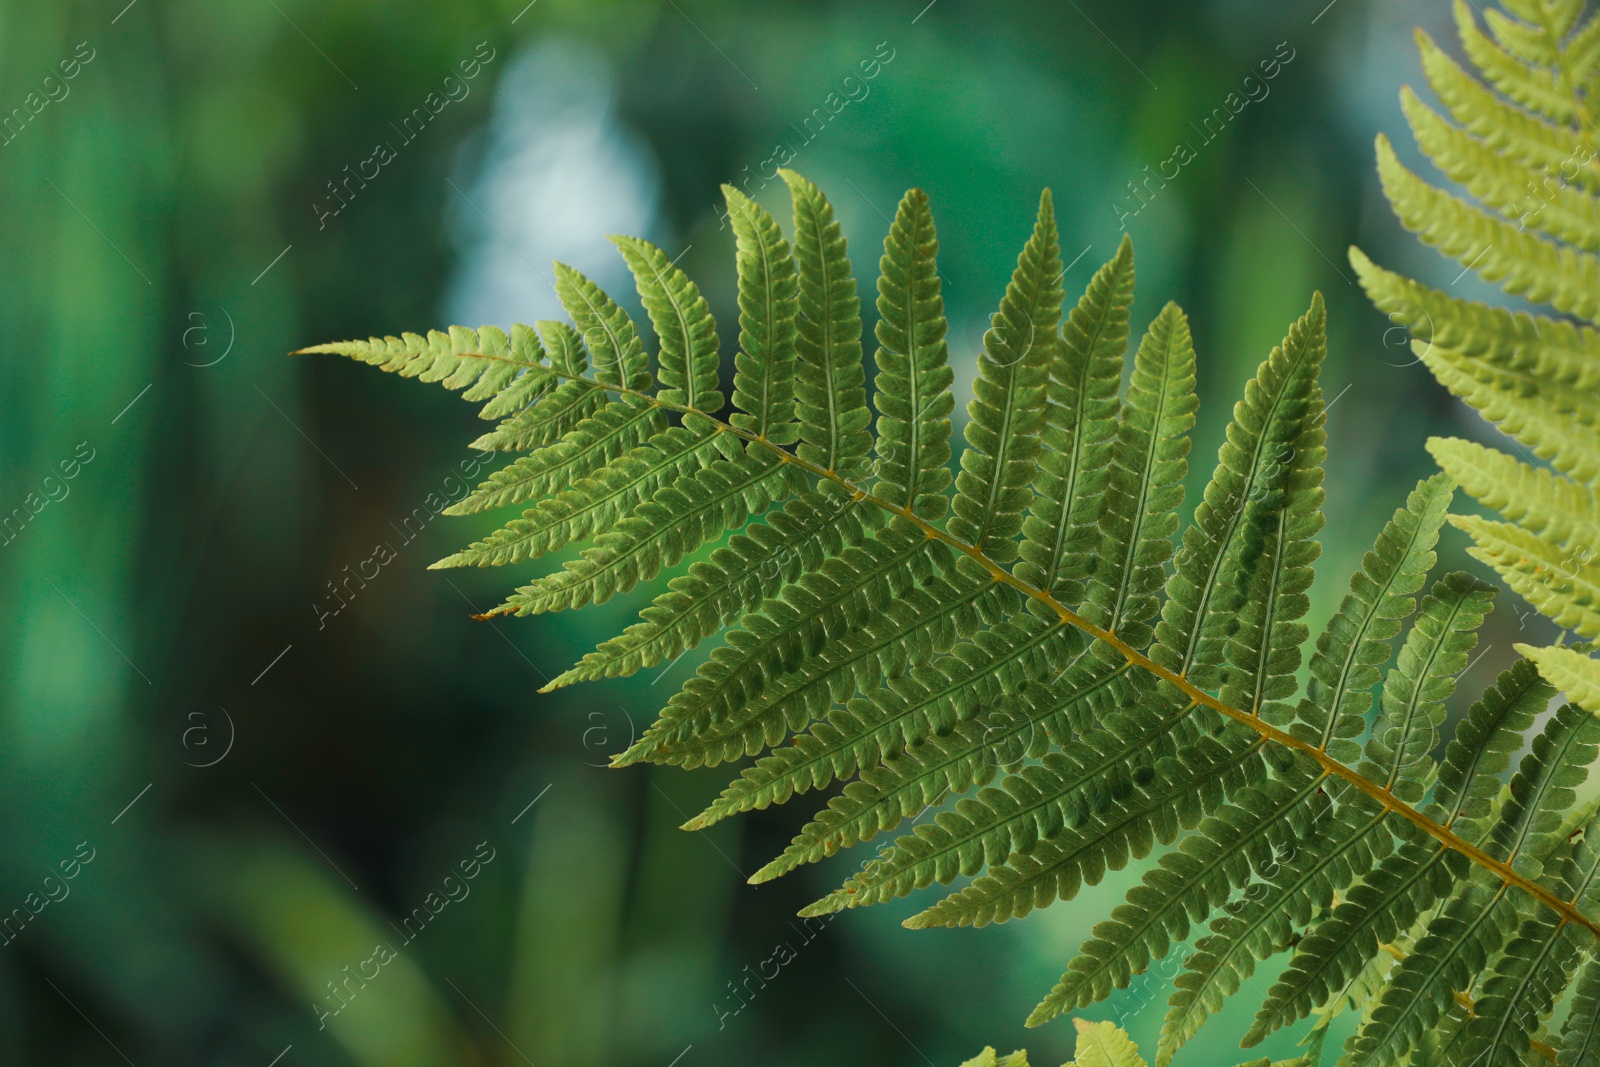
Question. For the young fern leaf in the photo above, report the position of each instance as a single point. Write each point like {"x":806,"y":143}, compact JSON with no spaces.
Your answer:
{"x":1019,"y":653}
{"x":1528,"y":154}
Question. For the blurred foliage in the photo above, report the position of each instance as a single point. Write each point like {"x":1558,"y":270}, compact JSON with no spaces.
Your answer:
{"x":163,"y":250}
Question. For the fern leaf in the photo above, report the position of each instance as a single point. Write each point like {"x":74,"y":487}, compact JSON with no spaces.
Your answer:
{"x":763,"y":378}
{"x":1566,"y":437}
{"x":914,"y":376}
{"x":608,"y":332}
{"x":1570,"y":671}
{"x":737,"y":578}
{"x":683,"y":323}
{"x":1062,"y":530}
{"x":1563,"y":585}
{"x":1007,"y":411}
{"x":593,"y":503}
{"x":1145,"y":475}
{"x":1519,"y":262}
{"x":1380,"y":907}
{"x":1580,"y":1036}
{"x":1356,"y":641}
{"x":830,"y":381}
{"x":586,"y":448}
{"x":484,"y":362}
{"x":1557,"y":510}
{"x":1483,"y":745}
{"x":1537,"y":964}
{"x":1459,"y":942}
{"x":1212,"y":570}
{"x":677,"y":520}
{"x":838,"y":596}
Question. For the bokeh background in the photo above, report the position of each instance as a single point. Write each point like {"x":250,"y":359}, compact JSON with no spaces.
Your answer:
{"x":266,"y":787}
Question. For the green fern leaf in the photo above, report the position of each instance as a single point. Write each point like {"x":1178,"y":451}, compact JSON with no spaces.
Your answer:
{"x":830,"y":381}
{"x":683,"y":322}
{"x":837,"y":596}
{"x":1149,"y":459}
{"x":1521,"y":263}
{"x":914,"y":376}
{"x":1356,"y":641}
{"x":1062,"y":530}
{"x":1007,"y":411}
{"x":593,"y":503}
{"x":1557,"y":510}
{"x":1212,"y":570}
{"x":923,"y":621}
{"x":590,"y":445}
{"x":608,"y":332}
{"x":763,"y":378}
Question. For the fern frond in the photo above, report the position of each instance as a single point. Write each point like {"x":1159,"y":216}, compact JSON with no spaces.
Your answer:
{"x":1007,"y":410}
{"x":1556,"y":209}
{"x":926,"y":619}
{"x":1356,"y":641}
{"x":914,"y":376}
{"x":1041,"y":672}
{"x":1516,"y":76}
{"x":1565,"y":436}
{"x":592,"y":444}
{"x":830,"y":381}
{"x":838,"y":595}
{"x":1212,"y":569}
{"x":969,"y":756}
{"x":1510,"y":131}
{"x":1519,"y":262}
{"x":484,"y":362}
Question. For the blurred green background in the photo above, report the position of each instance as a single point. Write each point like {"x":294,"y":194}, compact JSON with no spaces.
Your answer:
{"x":268,"y":789}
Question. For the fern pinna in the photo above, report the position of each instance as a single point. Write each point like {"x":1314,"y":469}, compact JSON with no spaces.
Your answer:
{"x":1019,"y":646}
